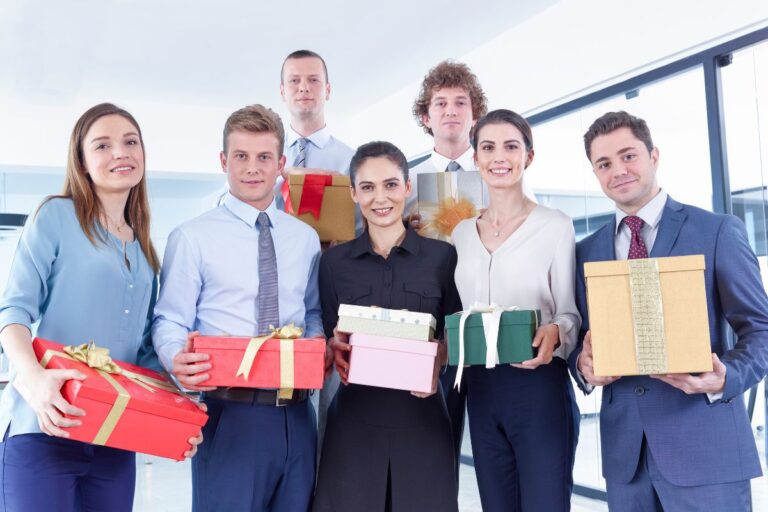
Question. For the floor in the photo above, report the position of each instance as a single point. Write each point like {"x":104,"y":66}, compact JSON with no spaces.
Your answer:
{"x":164,"y":486}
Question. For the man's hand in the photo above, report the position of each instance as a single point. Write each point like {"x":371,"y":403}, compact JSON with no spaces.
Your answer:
{"x":585,"y":364}
{"x":198,"y":439}
{"x":339,"y":344}
{"x":189,"y":368}
{"x":414,"y":220}
{"x":707,"y":382}
{"x":42,"y":390}
{"x":546,"y":339}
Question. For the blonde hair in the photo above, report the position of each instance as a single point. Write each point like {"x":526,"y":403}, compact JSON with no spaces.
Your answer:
{"x":256,"y":119}
{"x":79,"y":187}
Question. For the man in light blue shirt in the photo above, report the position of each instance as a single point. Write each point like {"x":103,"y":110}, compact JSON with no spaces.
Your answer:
{"x":224,"y":274}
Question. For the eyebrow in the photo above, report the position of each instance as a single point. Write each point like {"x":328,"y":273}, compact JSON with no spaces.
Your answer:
{"x":619,"y":152}
{"x":494,"y":142}
{"x":442,"y":97}
{"x":104,"y":137}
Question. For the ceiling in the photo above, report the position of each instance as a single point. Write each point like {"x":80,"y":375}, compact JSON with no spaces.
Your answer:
{"x":213,"y":54}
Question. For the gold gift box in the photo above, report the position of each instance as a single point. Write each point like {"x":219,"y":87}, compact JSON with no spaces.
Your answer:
{"x":648,"y":316}
{"x":337,"y":211}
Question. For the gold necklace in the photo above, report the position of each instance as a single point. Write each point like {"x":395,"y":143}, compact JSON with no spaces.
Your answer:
{"x":118,"y":227}
{"x":497,"y":229}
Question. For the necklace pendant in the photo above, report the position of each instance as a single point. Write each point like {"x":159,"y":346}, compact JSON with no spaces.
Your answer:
{"x":497,"y":233}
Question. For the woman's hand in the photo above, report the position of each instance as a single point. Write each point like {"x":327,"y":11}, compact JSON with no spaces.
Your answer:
{"x":546,"y":339}
{"x":41,"y":389}
{"x":441,"y":358}
{"x":340,"y":346}
{"x":189,"y":368}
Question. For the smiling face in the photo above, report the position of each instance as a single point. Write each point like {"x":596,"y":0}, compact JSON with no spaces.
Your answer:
{"x":380,"y":191}
{"x":305,"y":88}
{"x":501,"y":155}
{"x":252,"y":162}
{"x":625,"y":169}
{"x":113,"y":155}
{"x":449,"y":115}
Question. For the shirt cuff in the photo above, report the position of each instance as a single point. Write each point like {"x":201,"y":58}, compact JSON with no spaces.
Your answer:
{"x":167,"y":352}
{"x":586,"y":386}
{"x":714,"y":397}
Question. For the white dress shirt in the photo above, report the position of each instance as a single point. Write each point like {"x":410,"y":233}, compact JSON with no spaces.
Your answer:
{"x":533,"y":269}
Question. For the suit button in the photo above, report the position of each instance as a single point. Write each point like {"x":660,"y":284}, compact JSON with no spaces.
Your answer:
{"x":639,"y":390}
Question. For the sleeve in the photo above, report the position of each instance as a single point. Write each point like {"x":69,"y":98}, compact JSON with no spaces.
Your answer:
{"x":313,"y":314}
{"x":27,"y":288}
{"x":745,"y":306}
{"x":451,"y":300}
{"x":562,"y":273}
{"x":147,"y":356}
{"x":329,"y":299}
{"x":176,"y":308}
{"x":581,"y":304}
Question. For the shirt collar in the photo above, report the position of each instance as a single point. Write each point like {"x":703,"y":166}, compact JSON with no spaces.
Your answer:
{"x":362,"y":244}
{"x":248,"y":213}
{"x":466,"y":160}
{"x":650,"y":213}
{"x":320,"y":138}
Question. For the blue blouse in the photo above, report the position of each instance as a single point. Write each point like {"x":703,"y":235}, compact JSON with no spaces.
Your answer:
{"x":78,"y":292}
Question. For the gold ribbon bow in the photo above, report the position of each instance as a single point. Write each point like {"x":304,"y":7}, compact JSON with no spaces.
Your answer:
{"x":286,"y":335}
{"x":98,"y":358}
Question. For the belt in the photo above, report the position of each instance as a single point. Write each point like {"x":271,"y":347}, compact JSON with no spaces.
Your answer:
{"x":258,"y":396}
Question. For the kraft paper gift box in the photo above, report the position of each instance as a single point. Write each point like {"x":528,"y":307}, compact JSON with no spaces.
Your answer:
{"x":509,"y":334}
{"x":447,"y":198}
{"x":648,"y":316}
{"x":394,"y":323}
{"x":393,"y":363}
{"x":127,"y":406}
{"x":269,"y":362}
{"x":324,"y":202}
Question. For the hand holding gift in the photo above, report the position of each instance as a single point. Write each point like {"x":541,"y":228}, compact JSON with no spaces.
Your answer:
{"x":339,"y":344}
{"x":706,"y":382}
{"x":546,"y":340}
{"x":41,"y":389}
{"x":585,"y":364}
{"x":190,"y":367}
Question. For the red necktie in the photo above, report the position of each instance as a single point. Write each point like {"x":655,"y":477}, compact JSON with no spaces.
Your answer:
{"x":637,"y":247}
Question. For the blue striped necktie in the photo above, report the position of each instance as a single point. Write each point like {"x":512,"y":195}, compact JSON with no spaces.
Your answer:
{"x":453,"y":166}
{"x":301,"y":156}
{"x":267,"y":300}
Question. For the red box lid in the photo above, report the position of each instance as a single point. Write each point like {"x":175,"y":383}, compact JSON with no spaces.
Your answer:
{"x":240,"y":343}
{"x":95,"y":387}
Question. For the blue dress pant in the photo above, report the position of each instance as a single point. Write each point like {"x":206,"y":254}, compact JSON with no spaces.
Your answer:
{"x":255,"y":458}
{"x":42,"y":473}
{"x":649,"y":491}
{"x":456,"y":403}
{"x":523,"y":434}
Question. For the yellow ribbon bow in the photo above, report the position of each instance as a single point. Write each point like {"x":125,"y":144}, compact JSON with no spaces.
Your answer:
{"x":286,"y":335}
{"x":99,"y":359}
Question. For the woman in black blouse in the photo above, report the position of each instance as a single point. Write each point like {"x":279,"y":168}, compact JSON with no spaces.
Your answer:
{"x":386,"y":449}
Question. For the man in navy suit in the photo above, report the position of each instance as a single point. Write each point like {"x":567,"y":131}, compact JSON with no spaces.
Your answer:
{"x":679,"y":441}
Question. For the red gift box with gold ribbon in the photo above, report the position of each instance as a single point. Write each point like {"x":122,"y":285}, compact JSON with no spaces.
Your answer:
{"x":280,"y":360}
{"x":127,"y":406}
{"x":324,"y":202}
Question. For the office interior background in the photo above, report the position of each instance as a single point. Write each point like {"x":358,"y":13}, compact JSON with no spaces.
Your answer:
{"x":696,"y":70}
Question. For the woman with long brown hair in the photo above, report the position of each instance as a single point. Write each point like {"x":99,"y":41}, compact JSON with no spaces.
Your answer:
{"x":84,"y":270}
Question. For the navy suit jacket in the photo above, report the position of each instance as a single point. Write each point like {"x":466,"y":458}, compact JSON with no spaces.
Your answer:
{"x":693,"y":441}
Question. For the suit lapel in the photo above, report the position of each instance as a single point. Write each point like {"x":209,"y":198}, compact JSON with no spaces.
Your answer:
{"x":669,"y":227}
{"x":604,"y":248}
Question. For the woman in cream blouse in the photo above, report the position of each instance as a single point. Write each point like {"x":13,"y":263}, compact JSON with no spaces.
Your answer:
{"x":523,"y":417}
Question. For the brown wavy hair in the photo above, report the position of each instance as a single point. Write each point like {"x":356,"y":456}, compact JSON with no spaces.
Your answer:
{"x":79,"y":187}
{"x":449,"y":74}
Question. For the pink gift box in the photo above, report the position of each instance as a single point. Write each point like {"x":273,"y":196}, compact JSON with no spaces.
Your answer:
{"x":393,"y":363}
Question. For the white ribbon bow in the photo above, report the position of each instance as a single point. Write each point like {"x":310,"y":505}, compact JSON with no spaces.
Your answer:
{"x":491,"y":316}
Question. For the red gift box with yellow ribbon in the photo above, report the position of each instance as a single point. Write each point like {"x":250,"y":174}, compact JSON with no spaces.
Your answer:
{"x":126,"y":406}
{"x":324,"y":202}
{"x":280,"y":360}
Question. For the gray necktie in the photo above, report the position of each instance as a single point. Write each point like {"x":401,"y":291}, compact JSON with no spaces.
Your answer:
{"x":301,"y":156}
{"x":268,"y":308}
{"x":453,"y":166}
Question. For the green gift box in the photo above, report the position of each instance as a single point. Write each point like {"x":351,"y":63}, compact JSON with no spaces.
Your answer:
{"x":515,"y":334}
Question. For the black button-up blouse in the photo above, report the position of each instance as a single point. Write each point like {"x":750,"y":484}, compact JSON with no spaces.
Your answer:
{"x":417,"y":276}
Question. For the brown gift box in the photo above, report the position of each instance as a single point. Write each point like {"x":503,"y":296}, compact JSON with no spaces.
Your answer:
{"x":672,"y":334}
{"x":337,"y":211}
